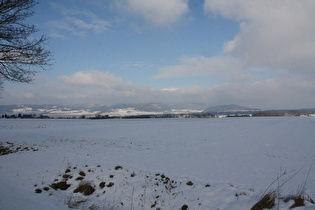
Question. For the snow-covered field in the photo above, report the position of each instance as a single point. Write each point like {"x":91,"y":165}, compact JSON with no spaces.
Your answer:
{"x":160,"y":163}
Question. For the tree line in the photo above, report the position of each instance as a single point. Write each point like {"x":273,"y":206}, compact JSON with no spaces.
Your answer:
{"x":26,"y":116}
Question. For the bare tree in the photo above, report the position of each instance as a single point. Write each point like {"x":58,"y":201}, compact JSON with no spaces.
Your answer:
{"x":21,"y":57}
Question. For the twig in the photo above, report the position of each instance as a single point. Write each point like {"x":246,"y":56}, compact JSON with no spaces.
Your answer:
{"x":309,"y":170}
{"x":133,"y":191}
{"x":284,"y":173}
{"x":278,"y":191}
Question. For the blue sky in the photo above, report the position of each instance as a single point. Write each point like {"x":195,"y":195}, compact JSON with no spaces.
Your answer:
{"x":252,"y":53}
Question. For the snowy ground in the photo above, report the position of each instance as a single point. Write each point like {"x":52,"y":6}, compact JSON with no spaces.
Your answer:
{"x":159,"y":163}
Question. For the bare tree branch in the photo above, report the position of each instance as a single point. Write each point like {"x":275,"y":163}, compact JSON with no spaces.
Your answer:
{"x":20,"y":57}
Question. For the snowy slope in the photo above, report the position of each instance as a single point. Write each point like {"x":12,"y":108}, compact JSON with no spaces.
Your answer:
{"x":230,"y":162}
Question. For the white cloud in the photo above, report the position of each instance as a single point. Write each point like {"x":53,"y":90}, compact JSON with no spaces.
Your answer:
{"x":274,"y":33}
{"x":170,"y":89}
{"x":156,"y":12}
{"x":198,"y":66}
{"x":78,"y":22}
{"x":270,"y":62}
{"x":27,"y":95}
{"x":101,"y":87}
{"x":92,"y":78}
{"x":288,"y":92}
{"x":131,"y":65}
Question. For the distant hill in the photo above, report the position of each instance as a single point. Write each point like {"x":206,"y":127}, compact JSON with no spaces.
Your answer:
{"x":230,"y":109}
{"x":150,"y":109}
{"x":100,"y":109}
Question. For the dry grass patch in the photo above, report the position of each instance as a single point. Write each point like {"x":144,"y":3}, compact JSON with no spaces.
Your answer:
{"x":266,"y":202}
{"x":299,"y":200}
